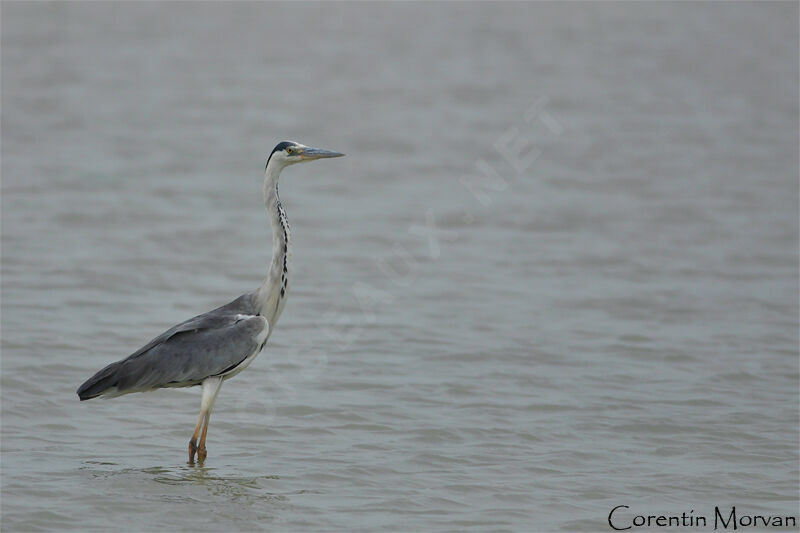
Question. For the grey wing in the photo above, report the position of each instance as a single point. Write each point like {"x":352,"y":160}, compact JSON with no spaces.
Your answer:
{"x":204,"y":346}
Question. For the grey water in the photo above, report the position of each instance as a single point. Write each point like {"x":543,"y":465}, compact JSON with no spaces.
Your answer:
{"x":556,"y":273}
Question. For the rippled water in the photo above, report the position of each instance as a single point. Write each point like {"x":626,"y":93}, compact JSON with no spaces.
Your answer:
{"x":610,"y":320}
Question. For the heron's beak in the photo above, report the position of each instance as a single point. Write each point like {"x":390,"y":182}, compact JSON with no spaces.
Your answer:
{"x":309,"y":154}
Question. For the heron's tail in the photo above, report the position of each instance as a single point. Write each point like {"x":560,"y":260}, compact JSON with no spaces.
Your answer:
{"x":101,"y":382}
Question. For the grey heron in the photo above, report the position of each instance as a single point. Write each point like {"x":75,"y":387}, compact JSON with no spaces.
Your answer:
{"x":210,"y":348}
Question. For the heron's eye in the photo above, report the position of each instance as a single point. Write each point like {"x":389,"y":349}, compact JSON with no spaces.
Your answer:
{"x":290,"y":151}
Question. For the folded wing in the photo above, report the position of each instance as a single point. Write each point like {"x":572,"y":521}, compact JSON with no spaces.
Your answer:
{"x":207,"y":345}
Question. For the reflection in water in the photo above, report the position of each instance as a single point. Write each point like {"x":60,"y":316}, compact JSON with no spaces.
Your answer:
{"x":229,"y":487}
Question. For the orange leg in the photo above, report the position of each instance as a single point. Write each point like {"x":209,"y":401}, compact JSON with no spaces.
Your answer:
{"x":210,"y":389}
{"x":193,"y":441}
{"x":201,"y":450}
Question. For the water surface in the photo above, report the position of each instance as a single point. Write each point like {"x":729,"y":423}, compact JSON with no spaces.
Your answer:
{"x":612,"y":320}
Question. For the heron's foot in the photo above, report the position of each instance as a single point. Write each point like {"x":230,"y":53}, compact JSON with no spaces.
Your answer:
{"x":201,"y":454}
{"x":192,"y":450}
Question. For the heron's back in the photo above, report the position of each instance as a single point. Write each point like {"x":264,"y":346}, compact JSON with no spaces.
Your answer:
{"x":210,"y":344}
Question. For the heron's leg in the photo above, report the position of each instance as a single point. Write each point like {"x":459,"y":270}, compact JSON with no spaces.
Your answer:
{"x":201,"y":450}
{"x":211,"y":388}
{"x":193,"y":441}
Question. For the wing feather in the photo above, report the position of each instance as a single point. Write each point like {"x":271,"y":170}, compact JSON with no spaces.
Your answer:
{"x":206,"y":345}
{"x":191,"y":355}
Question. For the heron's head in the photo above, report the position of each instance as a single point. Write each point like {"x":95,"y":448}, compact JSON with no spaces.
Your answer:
{"x":289,"y":152}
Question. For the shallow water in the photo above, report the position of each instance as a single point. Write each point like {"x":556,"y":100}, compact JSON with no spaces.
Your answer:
{"x":614,"y":322}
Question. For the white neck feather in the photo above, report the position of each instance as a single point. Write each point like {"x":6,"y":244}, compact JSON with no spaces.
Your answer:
{"x":271,"y":296}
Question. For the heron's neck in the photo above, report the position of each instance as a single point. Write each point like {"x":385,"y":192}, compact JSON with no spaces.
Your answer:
{"x":271,"y":296}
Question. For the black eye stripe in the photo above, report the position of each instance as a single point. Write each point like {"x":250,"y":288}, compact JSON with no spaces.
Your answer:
{"x":280,"y":146}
